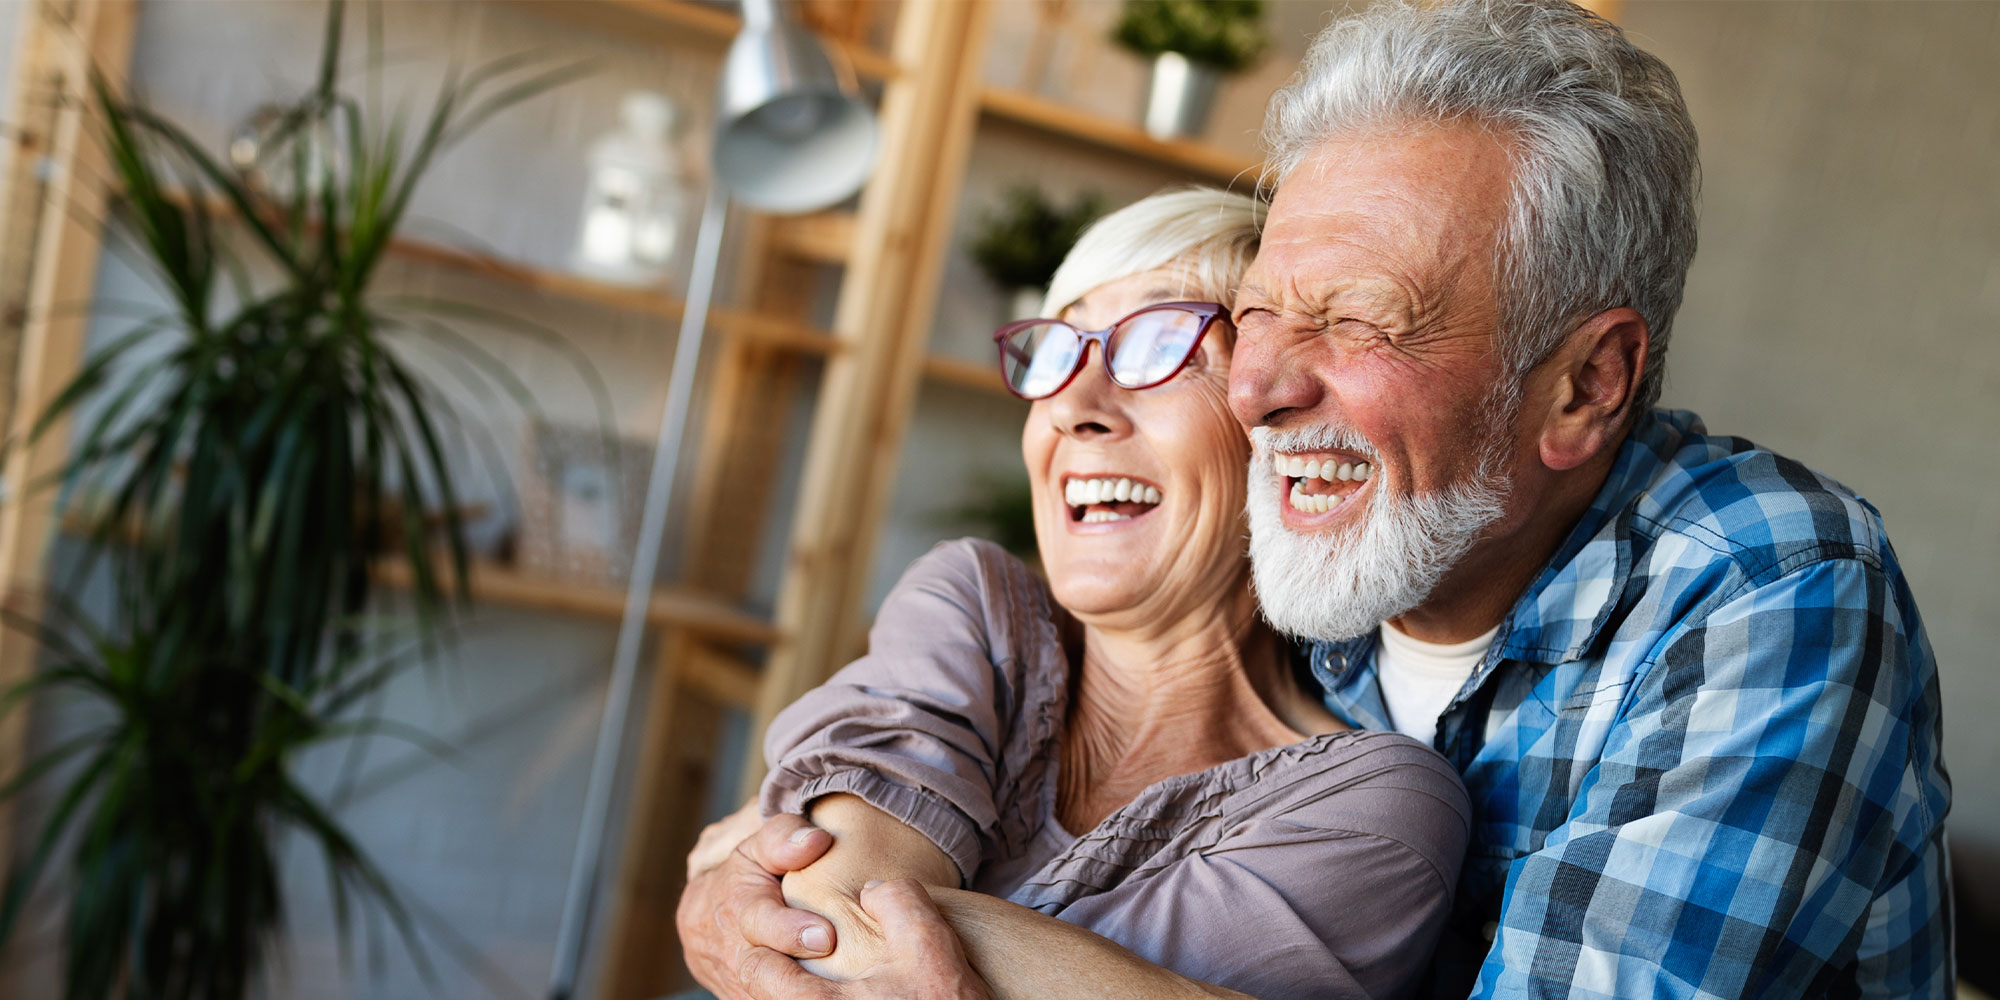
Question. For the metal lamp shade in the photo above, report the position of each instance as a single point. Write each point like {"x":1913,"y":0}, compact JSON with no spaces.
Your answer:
{"x":789,"y":138}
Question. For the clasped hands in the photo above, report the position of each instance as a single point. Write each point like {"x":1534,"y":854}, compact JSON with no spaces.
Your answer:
{"x":744,"y":943}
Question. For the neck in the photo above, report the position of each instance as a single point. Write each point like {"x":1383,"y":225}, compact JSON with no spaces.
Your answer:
{"x":1482,"y":589}
{"x":1150,"y":705}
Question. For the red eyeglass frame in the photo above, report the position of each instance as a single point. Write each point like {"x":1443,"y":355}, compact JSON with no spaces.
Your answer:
{"x":1208,"y":311}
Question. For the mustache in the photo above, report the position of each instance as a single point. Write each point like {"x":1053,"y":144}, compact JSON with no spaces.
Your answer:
{"x":1319,"y":437}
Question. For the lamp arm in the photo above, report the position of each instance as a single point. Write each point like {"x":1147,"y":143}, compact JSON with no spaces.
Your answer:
{"x":585,"y":864}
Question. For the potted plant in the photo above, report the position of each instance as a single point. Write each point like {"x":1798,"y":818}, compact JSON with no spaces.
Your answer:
{"x":1191,"y":44}
{"x":1020,"y":243}
{"x":236,"y":476}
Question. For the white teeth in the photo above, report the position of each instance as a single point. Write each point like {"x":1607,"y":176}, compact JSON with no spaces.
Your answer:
{"x":1100,"y":516}
{"x":1331,"y":470}
{"x":1087,"y":492}
{"x":1313,"y":503}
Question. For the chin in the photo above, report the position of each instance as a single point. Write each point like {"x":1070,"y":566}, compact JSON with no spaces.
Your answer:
{"x":1343,"y":580}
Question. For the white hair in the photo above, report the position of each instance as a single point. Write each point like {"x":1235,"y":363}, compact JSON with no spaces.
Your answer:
{"x":1212,"y":234}
{"x":1605,"y":165}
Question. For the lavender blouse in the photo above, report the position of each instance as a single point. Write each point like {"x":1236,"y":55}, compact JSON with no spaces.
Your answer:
{"x":1320,"y":869}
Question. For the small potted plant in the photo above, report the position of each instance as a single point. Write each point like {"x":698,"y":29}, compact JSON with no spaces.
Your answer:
{"x":1021,"y":242}
{"x":1191,"y":43}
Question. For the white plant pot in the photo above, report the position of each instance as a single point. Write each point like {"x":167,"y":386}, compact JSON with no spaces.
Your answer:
{"x":1179,"y":97}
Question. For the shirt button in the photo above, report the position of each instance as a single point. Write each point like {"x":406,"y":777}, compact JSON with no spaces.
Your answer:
{"x":1491,"y":930}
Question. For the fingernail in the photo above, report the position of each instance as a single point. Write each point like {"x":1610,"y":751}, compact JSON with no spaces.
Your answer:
{"x":872,"y":883}
{"x":800,"y":835}
{"x":814,"y":939}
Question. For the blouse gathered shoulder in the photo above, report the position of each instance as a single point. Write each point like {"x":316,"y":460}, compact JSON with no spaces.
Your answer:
{"x":1320,"y":869}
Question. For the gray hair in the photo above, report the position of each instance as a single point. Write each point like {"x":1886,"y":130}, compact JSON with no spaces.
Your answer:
{"x":1211,"y":234}
{"x":1605,"y":166}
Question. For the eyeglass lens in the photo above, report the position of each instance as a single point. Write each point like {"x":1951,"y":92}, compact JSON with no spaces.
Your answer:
{"x":1148,"y":348}
{"x":1038,"y":358}
{"x":1144,"y":350}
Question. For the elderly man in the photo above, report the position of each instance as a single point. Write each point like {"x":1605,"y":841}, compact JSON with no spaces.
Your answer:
{"x":1683,"y":677}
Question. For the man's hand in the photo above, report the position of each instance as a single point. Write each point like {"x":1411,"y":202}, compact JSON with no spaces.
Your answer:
{"x":923,"y":958}
{"x":736,"y":907}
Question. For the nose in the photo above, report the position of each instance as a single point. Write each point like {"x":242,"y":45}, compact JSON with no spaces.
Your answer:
{"x":1272,"y":375}
{"x":1090,"y":407}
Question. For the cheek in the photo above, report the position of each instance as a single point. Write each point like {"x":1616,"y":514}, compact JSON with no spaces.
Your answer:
{"x":1215,"y":448}
{"x":1038,"y":442}
{"x":1038,"y":439}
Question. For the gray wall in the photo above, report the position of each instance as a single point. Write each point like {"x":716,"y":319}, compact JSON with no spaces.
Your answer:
{"x":1845,"y":304}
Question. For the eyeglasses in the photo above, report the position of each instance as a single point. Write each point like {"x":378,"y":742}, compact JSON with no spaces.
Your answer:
{"x":1038,"y":357}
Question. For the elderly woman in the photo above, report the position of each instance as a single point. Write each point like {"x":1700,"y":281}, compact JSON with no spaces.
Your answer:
{"x":1124,"y":747}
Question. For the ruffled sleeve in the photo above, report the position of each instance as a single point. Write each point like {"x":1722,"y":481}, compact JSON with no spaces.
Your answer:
{"x":948,"y":722}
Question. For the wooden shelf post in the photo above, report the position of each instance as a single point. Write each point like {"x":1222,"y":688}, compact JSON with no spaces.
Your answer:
{"x":883,"y":315}
{"x":53,"y":198}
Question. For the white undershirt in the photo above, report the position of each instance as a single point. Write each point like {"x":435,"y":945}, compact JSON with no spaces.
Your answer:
{"x":1420,"y":678}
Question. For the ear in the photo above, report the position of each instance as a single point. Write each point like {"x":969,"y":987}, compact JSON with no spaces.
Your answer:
{"x":1590,"y":382}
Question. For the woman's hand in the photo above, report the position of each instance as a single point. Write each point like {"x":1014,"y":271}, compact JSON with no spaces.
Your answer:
{"x":721,"y":837}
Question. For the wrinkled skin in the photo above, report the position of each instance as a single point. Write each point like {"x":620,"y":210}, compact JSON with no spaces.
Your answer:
{"x":1371,"y":304}
{"x":743,"y":943}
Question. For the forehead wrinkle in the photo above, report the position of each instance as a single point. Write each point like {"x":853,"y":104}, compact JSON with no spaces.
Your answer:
{"x":1343,"y":272}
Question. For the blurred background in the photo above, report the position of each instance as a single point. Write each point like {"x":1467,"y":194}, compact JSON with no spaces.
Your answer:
{"x":1844,"y":309}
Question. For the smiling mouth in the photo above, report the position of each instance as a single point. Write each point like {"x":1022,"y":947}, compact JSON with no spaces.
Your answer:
{"x":1319,"y":481}
{"x":1102,"y":499}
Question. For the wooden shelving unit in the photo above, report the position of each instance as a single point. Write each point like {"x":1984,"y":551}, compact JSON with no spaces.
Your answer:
{"x":864,"y":369}
{"x":964,"y":374}
{"x":1113,"y":135}
{"x":682,"y":22}
{"x":823,"y":238}
{"x":681,"y":608}
{"x":773,"y":330}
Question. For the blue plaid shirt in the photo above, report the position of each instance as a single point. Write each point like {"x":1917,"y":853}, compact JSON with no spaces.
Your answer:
{"x":1703,"y":751}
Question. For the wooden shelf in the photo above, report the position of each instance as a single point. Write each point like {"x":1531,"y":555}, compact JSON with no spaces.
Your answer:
{"x":966,"y":374}
{"x":822,"y":237}
{"x":683,"y":21}
{"x":505,"y":585}
{"x":817,"y":239}
{"x":1117,"y":136}
{"x":671,"y":607}
{"x":577,"y":288}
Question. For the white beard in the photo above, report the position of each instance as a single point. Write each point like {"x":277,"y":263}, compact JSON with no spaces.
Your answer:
{"x":1339,"y":586}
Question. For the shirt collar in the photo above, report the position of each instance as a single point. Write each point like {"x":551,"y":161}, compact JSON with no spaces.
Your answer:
{"x":1559,"y":617}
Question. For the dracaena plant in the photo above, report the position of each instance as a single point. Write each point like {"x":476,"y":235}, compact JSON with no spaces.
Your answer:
{"x":245,"y":453}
